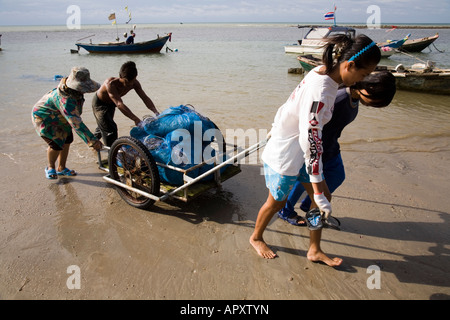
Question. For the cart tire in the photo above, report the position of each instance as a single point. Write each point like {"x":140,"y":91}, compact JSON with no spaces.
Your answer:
{"x":131,"y":163}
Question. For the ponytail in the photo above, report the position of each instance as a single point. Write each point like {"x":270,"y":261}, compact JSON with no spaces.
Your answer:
{"x":333,"y":50}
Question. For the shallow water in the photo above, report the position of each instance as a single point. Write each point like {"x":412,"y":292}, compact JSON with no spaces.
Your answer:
{"x":235,"y":74}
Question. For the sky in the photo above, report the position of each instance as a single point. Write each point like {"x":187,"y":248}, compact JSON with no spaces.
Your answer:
{"x":55,"y":12}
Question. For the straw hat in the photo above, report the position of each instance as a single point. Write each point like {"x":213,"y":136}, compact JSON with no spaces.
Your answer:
{"x":80,"y":80}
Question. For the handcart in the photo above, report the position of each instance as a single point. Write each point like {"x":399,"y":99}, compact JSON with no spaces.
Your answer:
{"x":133,"y":170}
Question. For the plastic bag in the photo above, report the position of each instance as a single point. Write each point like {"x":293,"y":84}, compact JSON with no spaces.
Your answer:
{"x":176,"y":138}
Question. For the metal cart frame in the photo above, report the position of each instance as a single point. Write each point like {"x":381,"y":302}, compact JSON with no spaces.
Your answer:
{"x":192,"y":187}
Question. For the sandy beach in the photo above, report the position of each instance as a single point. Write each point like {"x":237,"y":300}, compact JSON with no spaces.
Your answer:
{"x":394,"y":211}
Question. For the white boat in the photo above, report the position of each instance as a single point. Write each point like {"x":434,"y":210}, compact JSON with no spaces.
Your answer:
{"x":315,"y":39}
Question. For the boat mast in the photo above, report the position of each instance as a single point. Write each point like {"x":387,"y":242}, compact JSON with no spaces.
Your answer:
{"x":334,"y":15}
{"x":112,"y":17}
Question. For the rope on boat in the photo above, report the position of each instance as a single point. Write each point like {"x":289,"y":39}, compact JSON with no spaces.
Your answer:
{"x":92,"y":35}
{"x":438,"y":49}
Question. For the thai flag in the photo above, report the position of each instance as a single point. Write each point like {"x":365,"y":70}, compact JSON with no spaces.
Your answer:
{"x":329,"y":16}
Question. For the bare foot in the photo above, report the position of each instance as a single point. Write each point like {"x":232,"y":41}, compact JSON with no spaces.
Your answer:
{"x":319,"y":256}
{"x":262,"y":249}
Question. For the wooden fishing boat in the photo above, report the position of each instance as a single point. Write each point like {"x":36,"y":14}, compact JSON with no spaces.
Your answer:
{"x":418,"y":45}
{"x":419,"y":77}
{"x":152,"y":46}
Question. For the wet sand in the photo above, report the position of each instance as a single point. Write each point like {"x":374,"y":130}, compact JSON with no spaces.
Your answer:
{"x":394,"y":210}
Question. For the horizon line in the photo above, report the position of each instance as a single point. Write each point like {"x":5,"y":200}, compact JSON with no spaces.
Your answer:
{"x":386,"y":24}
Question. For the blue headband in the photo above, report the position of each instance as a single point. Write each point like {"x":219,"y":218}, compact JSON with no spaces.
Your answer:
{"x":362,"y":51}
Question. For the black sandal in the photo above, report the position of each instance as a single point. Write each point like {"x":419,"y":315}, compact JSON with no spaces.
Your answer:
{"x":316,"y":221}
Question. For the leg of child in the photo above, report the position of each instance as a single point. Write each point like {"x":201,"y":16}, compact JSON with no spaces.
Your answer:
{"x":266,"y":213}
{"x":62,"y":158}
{"x":52,"y":156}
{"x":315,"y":253}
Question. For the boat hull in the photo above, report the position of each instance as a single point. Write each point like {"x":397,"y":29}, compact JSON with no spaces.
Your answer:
{"x":386,"y":51}
{"x":436,"y":83}
{"x":418,"y":45}
{"x":300,"y":49}
{"x":308,"y":62}
{"x":153,"y":46}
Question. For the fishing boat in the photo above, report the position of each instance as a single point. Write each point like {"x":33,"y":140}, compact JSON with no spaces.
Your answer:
{"x":152,"y":46}
{"x":421,"y":77}
{"x":129,"y":46}
{"x":315,"y":39}
{"x":418,"y":45}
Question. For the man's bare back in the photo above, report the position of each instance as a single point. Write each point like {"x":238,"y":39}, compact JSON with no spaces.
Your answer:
{"x":114,"y":86}
{"x":109,"y":96}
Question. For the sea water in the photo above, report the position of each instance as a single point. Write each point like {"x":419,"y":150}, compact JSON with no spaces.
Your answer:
{"x":235,"y":74}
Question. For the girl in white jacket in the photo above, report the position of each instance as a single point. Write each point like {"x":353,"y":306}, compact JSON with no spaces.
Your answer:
{"x":296,"y":134}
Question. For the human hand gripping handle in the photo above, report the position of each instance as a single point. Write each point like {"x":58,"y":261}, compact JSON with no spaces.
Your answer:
{"x":323,"y":204}
{"x":97,"y":146}
{"x":137,"y":122}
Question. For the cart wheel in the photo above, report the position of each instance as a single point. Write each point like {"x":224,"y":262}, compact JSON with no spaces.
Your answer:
{"x":131,"y":163}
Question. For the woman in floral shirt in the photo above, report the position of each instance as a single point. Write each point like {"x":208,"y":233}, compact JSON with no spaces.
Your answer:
{"x":57,"y":113}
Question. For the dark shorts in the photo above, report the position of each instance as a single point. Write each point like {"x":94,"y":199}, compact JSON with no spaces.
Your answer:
{"x":52,"y":144}
{"x":104,"y":115}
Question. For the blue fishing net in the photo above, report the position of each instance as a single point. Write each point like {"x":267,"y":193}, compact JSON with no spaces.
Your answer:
{"x":177,"y":138}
